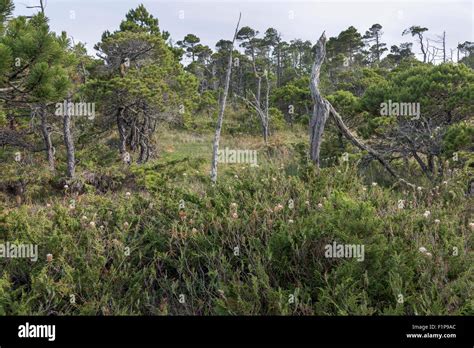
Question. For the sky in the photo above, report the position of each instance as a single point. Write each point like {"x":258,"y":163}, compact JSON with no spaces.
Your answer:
{"x":212,"y":20}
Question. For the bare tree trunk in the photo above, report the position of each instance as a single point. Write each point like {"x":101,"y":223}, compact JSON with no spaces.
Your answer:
{"x":267,"y":111}
{"x":278,"y":68}
{"x":422,"y":165}
{"x":134,"y":136}
{"x":320,"y":108}
{"x":46,"y":132}
{"x":431,"y":166}
{"x":220,"y":117}
{"x":377,"y":44}
{"x":144,"y":151}
{"x":262,"y":113}
{"x":122,"y":131}
{"x":144,"y":144}
{"x":259,"y":88}
{"x":424,"y":50}
{"x":215,"y":82}
{"x":444,"y":47}
{"x":69,"y":143}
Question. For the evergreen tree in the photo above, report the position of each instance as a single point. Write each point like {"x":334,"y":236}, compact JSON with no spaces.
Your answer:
{"x":348,"y":43}
{"x":373,"y":38}
{"x":190,"y":45}
{"x":418,"y":32}
{"x":33,"y":74}
{"x":142,"y":82}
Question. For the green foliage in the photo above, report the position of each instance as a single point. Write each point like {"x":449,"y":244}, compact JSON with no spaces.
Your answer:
{"x":281,"y":250}
{"x":293,"y":99}
{"x":444,"y":92}
{"x":207,"y":101}
{"x":5,"y":58}
{"x":468,"y":60}
{"x":348,"y":43}
{"x":277,"y":121}
{"x":140,"y":20}
{"x":130,"y":239}
{"x":458,"y":137}
{"x":356,"y":80}
{"x":190,"y":45}
{"x":345,"y":102}
{"x":28,"y":45}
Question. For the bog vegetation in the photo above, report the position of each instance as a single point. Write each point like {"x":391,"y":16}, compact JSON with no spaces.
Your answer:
{"x":105,"y":166}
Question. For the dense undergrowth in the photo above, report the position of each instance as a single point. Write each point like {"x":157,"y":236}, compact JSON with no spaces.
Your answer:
{"x":159,"y":239}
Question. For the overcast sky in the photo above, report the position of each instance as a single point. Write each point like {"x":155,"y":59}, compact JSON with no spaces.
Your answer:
{"x":212,"y":20}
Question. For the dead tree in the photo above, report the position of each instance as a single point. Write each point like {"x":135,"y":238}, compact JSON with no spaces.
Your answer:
{"x":263,"y":113}
{"x":266,"y":116}
{"x":320,"y":107}
{"x":69,"y":142}
{"x":220,"y":117}
{"x":435,"y":51}
{"x":444,"y":47}
{"x":323,"y":108}
{"x":354,"y":140}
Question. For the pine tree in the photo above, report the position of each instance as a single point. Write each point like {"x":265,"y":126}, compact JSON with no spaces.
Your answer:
{"x":33,"y":76}
{"x":142,"y":82}
{"x":373,"y":35}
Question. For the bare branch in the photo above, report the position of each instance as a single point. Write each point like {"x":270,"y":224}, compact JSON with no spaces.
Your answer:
{"x":220,"y":117}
